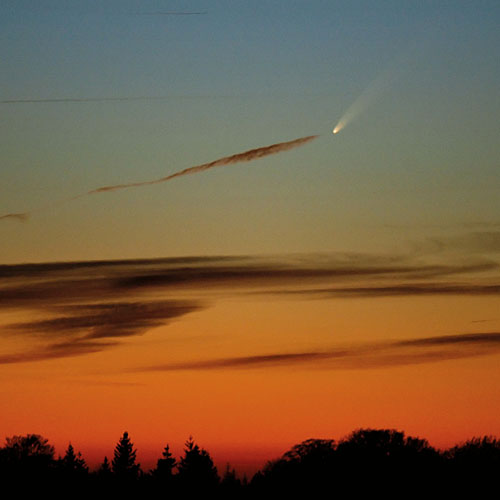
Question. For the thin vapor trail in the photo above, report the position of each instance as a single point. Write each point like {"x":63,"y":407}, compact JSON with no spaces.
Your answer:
{"x":247,"y":156}
{"x":93,"y":99}
{"x":170,"y":13}
{"x":252,"y":154}
{"x":22,"y":216}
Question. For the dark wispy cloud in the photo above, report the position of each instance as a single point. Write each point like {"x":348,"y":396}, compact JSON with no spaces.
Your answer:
{"x":382,"y":354}
{"x":109,"y":320}
{"x":21,"y":216}
{"x":483,"y":224}
{"x":55,"y":351}
{"x":399,"y":290}
{"x":481,"y":242}
{"x":80,"y":329}
{"x":84,"y":307}
{"x":42,"y":285}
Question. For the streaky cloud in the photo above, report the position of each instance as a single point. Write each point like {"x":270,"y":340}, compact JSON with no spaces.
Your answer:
{"x":81,"y":328}
{"x":370,"y":355}
{"x":475,"y":241}
{"x":399,"y":290}
{"x":463,"y":338}
{"x":85,"y":307}
{"x":20,"y":216}
{"x":276,"y":359}
{"x":170,"y":13}
{"x":56,"y":351}
{"x":47,"y":269}
{"x":110,"y":320}
{"x":484,"y":242}
{"x":46,"y":285}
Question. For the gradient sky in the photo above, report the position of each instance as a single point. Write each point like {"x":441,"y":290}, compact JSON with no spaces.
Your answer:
{"x":399,"y":214}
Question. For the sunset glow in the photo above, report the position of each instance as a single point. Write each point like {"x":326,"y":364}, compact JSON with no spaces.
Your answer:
{"x":310,"y":287}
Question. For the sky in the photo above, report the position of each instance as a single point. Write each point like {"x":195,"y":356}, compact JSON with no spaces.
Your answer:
{"x":349,"y":281}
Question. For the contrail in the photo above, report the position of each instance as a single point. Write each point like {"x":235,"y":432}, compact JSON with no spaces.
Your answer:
{"x":252,"y":154}
{"x":170,"y":13}
{"x":21,"y":216}
{"x":93,"y":99}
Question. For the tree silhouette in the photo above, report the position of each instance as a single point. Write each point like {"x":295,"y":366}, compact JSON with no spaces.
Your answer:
{"x":27,"y":458}
{"x":30,"y":450}
{"x":123,"y":465}
{"x":104,"y":469}
{"x":366,"y":462}
{"x":196,"y":469}
{"x":31,"y":445}
{"x":475,"y":462}
{"x":103,"y":479}
{"x":386,"y":459}
{"x":165,"y":466}
{"x":312,"y":451}
{"x":73,"y":462}
{"x":72,"y":469}
{"x":230,"y":485}
{"x":306,"y":466}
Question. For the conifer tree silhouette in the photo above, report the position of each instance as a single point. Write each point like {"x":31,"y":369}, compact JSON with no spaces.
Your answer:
{"x":165,"y":466}
{"x":72,"y":464}
{"x":104,"y":469}
{"x":196,"y":469}
{"x":123,"y":465}
{"x":230,"y":484}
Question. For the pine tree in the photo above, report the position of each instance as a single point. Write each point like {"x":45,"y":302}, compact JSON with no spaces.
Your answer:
{"x":124,"y":466}
{"x":165,"y":466}
{"x":72,"y":465}
{"x":104,"y":469}
{"x":196,"y":469}
{"x":230,"y":484}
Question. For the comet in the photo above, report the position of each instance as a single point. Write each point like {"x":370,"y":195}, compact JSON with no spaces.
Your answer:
{"x":365,"y":100}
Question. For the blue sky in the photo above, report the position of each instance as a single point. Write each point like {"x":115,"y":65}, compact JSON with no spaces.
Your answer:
{"x":243,"y":75}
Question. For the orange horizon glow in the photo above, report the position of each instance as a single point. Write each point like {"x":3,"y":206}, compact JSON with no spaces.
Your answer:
{"x":249,"y":415}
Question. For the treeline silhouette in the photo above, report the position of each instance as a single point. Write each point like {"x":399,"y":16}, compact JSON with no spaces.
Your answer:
{"x":366,"y":461}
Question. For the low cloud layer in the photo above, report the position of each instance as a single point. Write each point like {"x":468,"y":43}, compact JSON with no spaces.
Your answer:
{"x":383,"y":354}
{"x":79,"y":308}
{"x":399,"y":290}
{"x":474,"y":242}
{"x":109,"y":320}
{"x":86,"y":329}
{"x":43,"y":285}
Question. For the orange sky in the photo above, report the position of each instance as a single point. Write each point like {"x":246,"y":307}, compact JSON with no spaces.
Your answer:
{"x":349,"y":282}
{"x":248,"y":414}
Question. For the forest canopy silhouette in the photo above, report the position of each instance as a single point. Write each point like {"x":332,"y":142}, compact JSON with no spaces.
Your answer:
{"x":382,"y":460}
